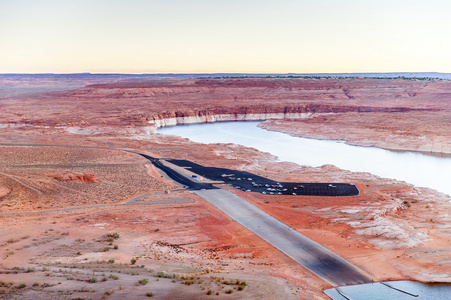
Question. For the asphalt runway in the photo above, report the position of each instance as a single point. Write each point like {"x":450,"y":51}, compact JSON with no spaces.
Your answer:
{"x":174,"y":175}
{"x":324,"y":263}
{"x":249,"y":182}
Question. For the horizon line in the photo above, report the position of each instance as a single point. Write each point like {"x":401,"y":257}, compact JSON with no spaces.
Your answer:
{"x":214,"y":73}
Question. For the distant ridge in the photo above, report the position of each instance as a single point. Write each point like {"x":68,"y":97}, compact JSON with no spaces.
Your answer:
{"x":125,"y":76}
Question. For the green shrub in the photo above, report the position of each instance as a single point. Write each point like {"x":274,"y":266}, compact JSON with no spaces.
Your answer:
{"x":143,"y":281}
{"x":112,"y":236}
{"x":160,"y":274}
{"x":229,"y":291}
{"x":149,"y":294}
{"x":133,"y":261}
{"x":92,"y":280}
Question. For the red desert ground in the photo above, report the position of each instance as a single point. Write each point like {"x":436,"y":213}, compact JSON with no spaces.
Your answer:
{"x":84,"y":216}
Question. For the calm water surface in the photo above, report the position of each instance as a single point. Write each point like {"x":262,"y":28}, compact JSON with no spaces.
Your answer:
{"x":415,"y":168}
{"x":378,"y":291}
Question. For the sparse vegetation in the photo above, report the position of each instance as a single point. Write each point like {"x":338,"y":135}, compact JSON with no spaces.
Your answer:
{"x":149,"y":294}
{"x":133,"y":261}
{"x":92,"y":280}
{"x":113,"y":236}
{"x":143,"y":281}
{"x":108,"y":293}
{"x":161,"y":274}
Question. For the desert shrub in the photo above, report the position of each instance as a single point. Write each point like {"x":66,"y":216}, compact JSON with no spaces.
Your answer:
{"x":115,"y":277}
{"x":160,"y":274}
{"x":92,"y":280}
{"x":149,"y":294}
{"x":109,"y":292}
{"x":229,"y":291}
{"x":133,"y":261}
{"x":143,"y":281}
{"x":112,"y":236}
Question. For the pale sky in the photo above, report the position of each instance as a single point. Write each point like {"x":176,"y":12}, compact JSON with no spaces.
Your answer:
{"x":248,"y":36}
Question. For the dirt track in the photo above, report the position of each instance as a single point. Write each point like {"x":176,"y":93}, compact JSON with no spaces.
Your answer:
{"x":129,"y":202}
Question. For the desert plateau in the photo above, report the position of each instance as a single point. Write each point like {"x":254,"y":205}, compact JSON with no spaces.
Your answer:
{"x":85,"y":215}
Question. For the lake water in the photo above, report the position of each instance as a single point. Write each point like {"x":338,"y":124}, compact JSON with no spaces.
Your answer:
{"x":415,"y":168}
{"x":378,"y":291}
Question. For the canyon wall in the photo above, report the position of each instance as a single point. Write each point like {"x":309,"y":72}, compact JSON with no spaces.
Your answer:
{"x":259,"y":113}
{"x":210,"y":118}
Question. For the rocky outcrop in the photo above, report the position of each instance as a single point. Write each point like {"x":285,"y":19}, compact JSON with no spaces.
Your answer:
{"x":4,"y":191}
{"x":74,"y":176}
{"x":256,"y":113}
{"x":186,"y":119}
